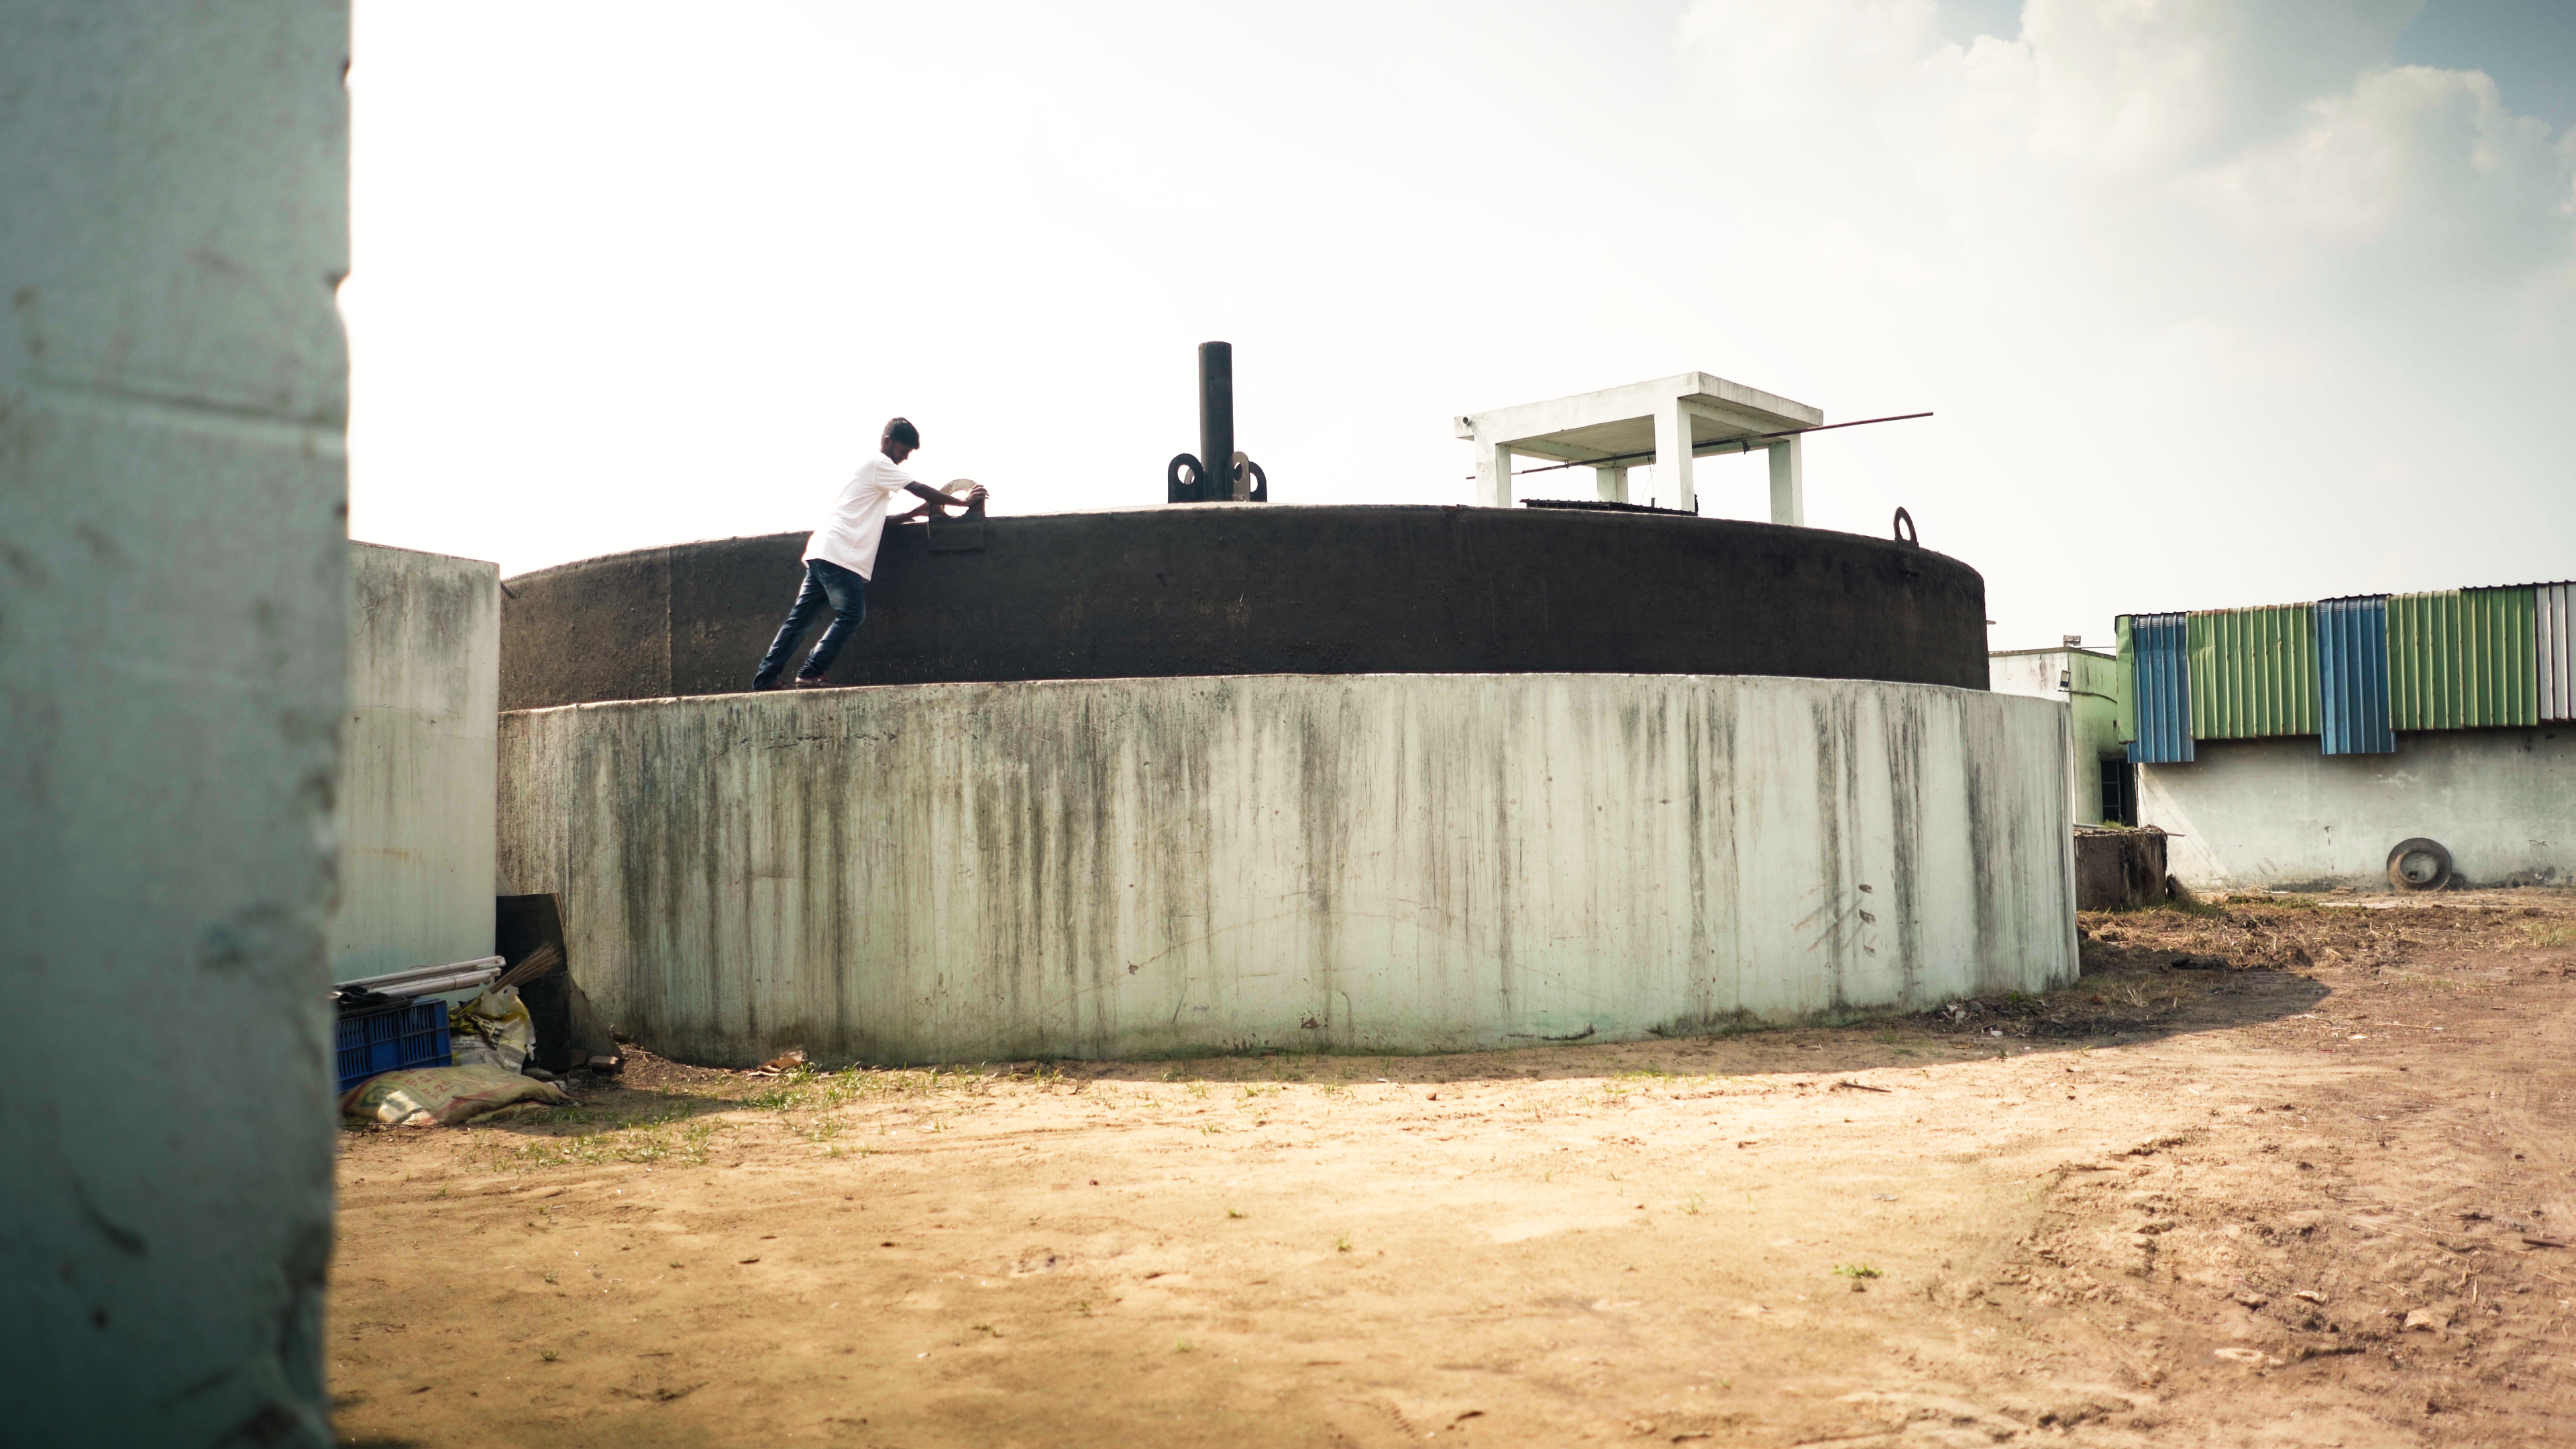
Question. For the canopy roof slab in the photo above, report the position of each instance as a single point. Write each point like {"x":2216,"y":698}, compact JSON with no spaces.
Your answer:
{"x":1666,"y":422}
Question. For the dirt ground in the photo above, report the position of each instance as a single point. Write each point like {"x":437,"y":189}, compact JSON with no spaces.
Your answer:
{"x":2315,"y":1191}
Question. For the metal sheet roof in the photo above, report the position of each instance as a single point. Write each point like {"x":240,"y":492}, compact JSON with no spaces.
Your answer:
{"x":2554,"y":638}
{"x":2352,"y":676}
{"x":2156,"y":705}
{"x":2463,"y":659}
{"x":2253,"y":672}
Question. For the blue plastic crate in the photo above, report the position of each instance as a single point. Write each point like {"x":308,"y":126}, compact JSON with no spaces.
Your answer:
{"x":391,"y":1038}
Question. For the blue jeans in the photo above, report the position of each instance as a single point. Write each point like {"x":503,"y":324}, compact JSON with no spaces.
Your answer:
{"x":827,"y":586}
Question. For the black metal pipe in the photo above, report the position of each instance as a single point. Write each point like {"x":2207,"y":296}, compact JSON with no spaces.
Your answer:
{"x":1216,"y":422}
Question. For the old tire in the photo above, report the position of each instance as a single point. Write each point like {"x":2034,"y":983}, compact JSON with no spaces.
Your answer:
{"x":2419,"y":865}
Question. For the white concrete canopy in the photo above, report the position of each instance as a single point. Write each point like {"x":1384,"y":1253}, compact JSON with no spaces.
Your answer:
{"x":1666,"y":422}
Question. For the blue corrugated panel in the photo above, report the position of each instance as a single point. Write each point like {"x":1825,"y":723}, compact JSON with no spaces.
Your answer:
{"x":2352,"y":676}
{"x":2163,"y":661}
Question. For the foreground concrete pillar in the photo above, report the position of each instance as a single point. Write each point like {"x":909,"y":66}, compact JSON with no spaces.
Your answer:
{"x":1788,"y":483}
{"x":1673,"y":454}
{"x":173,"y":606}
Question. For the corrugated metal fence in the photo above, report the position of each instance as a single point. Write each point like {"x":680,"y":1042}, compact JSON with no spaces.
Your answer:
{"x":2352,"y":676}
{"x":2253,"y":672}
{"x":2554,"y":606}
{"x":2351,"y":671}
{"x":2154,"y":654}
{"x":2462,"y":658}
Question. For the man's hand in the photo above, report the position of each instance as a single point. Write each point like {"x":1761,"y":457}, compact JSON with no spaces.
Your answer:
{"x":934,"y":498}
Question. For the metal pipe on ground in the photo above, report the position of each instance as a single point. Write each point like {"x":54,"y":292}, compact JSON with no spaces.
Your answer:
{"x":419,"y":980}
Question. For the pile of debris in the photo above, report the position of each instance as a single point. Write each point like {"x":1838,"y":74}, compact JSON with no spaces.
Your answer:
{"x":526,"y":1034}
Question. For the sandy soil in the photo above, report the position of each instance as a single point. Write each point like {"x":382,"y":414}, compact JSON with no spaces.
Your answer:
{"x":2317,"y":1195}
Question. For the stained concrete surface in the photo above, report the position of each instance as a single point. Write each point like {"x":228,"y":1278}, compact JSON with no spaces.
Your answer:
{"x":1353,"y":863}
{"x":1221,"y":589}
{"x":2091,"y":694}
{"x":2277,"y":814}
{"x":173,"y":607}
{"x":416,"y":789}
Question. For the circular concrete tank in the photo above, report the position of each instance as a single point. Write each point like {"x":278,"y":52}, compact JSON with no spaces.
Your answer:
{"x":1350,"y":779}
{"x":1206,"y":589}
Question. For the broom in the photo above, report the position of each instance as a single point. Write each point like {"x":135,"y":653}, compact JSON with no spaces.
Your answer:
{"x":539,"y":961}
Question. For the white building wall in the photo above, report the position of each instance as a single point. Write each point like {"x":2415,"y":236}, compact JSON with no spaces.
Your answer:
{"x":416,"y":795}
{"x":1355,"y":863}
{"x":2277,"y":813}
{"x":2090,"y":693}
{"x":173,"y":603}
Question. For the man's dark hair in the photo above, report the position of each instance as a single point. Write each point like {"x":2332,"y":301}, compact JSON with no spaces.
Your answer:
{"x":901,"y":430}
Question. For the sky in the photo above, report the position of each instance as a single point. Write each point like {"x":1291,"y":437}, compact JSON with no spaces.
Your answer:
{"x":2214,"y":303}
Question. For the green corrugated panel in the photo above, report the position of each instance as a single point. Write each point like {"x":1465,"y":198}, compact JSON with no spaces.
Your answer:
{"x":2128,"y":690}
{"x":2253,"y":672}
{"x":2461,"y":659}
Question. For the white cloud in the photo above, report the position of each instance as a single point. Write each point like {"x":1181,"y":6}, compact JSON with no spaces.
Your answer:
{"x":2222,"y":271}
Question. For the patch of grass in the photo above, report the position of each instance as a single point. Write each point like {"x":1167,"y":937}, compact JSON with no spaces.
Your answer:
{"x":548,"y":1354}
{"x":1341,"y":1245}
{"x":641,"y":1140}
{"x":1198,"y":1090}
{"x":1856,"y":1270}
{"x":1692,"y":1207}
{"x":2545,"y":935}
{"x":1234,"y":1212}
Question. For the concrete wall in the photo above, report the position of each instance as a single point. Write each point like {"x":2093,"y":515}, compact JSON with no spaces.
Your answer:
{"x":416,"y":796}
{"x":2277,"y":813}
{"x":1353,"y":863}
{"x":173,"y":601}
{"x":2091,"y":695}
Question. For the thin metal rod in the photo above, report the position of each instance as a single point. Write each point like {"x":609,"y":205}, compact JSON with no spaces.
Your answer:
{"x":1740,"y":445}
{"x":422,"y":973}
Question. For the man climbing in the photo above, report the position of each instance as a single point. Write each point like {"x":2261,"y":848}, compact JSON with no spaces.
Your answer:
{"x":842,"y":556}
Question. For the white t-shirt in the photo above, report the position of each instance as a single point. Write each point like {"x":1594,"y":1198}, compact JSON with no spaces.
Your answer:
{"x":849,"y":537}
